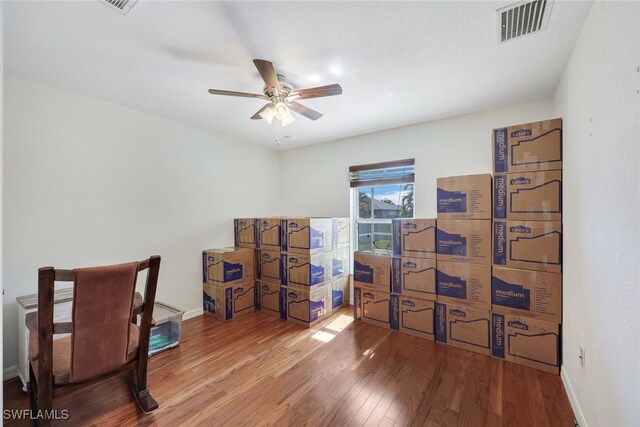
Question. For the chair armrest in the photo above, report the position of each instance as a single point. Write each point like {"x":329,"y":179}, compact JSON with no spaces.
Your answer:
{"x":138,"y":308}
{"x":31,"y":320}
{"x":62,"y":328}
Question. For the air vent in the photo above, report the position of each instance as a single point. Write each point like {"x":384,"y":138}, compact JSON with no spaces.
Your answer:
{"x":122,"y":6}
{"x":522,"y":18}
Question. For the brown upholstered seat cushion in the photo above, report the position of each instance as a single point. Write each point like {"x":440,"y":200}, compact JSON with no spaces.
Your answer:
{"x":62,"y":353}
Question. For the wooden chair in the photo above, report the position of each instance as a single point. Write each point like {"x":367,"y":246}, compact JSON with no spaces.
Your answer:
{"x":105,"y":339}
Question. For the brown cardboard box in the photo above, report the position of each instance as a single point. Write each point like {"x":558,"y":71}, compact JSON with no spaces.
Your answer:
{"x":309,"y":235}
{"x":464,"y":197}
{"x":372,"y":307}
{"x":414,"y":237}
{"x":226,"y":265}
{"x":245,"y":232}
{"x":270,"y":298}
{"x":309,"y":269}
{"x":463,"y":327}
{"x":525,"y":341}
{"x":340,"y":292}
{"x":372,"y":271}
{"x":341,"y":233}
{"x":340,"y":262}
{"x":226,"y":302}
{"x":413,"y":316}
{"x":270,"y":233}
{"x":533,"y":294}
{"x":464,"y":240}
{"x":306,"y":306}
{"x":270,"y":267}
{"x":464,"y":283}
{"x":532,"y":196}
{"x":528,"y":147}
{"x":414,"y":277}
{"x":529,"y":245}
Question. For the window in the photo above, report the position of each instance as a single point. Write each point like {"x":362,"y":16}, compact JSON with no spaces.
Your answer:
{"x":381,"y":192}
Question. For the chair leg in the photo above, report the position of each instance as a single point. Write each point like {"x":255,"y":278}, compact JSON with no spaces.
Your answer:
{"x":141,"y":393}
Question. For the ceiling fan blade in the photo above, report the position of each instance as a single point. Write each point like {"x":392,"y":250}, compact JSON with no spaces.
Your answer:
{"x":233,"y":93}
{"x":257,"y":116}
{"x":317,"y":92}
{"x":305,"y":111}
{"x":268,"y":74}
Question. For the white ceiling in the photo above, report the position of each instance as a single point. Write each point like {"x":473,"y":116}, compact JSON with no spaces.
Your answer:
{"x":398,"y":62}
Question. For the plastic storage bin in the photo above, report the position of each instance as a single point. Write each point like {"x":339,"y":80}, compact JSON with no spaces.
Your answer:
{"x":166,"y":333}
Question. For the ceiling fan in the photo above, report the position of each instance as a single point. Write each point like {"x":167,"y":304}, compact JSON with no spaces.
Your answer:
{"x":281,"y":96}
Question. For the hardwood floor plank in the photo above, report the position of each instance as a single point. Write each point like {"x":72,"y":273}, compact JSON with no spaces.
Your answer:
{"x":257,"y":370}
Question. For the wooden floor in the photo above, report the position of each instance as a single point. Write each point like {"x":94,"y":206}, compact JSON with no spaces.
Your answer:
{"x":259,"y":370}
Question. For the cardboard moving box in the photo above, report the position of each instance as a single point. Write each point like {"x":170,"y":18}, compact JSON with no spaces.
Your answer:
{"x":270,"y":299}
{"x":415,"y":277}
{"x":270,"y":234}
{"x":305,"y":306}
{"x":464,"y":197}
{"x":412,"y":316}
{"x":533,"y":196}
{"x":309,"y":235}
{"x":414,"y":237}
{"x":372,"y":307}
{"x":464,"y":283}
{"x":341,"y":233}
{"x":464,"y":240}
{"x":533,"y":294}
{"x":525,"y":341}
{"x":270,"y":266}
{"x":463,"y":327}
{"x":372,"y":271}
{"x":528,"y":147}
{"x":225,"y":265}
{"x":245,"y":232}
{"x":309,"y":269}
{"x":529,"y":245}
{"x":340,"y":262}
{"x":226,"y":302}
{"x":340,"y":292}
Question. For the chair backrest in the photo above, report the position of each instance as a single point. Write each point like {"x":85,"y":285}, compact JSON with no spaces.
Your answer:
{"x":101,"y":319}
{"x":102,"y":315}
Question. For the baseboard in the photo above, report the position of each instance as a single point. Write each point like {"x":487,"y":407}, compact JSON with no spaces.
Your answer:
{"x":9,"y":373}
{"x":577,"y":411}
{"x":192,"y":313}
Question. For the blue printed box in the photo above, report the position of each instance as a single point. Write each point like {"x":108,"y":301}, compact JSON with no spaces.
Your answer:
{"x":534,"y":294}
{"x":309,"y":269}
{"x":270,"y":234}
{"x":372,"y":271}
{"x":306,"y":306}
{"x":309,"y":235}
{"x":464,"y":197}
{"x":463,"y":327}
{"x":226,"y":265}
{"x":414,"y":277}
{"x":340,"y":292}
{"x":414,"y":237}
{"x":225,"y":302}
{"x":526,"y":341}
{"x":529,"y":196}
{"x":245,"y":232}
{"x":270,"y":298}
{"x":529,"y":245}
{"x":413,"y":316}
{"x":341,"y":233}
{"x":270,"y":267}
{"x":464,"y":240}
{"x":464,"y":283}
{"x":373,"y":307}
{"x":528,"y":147}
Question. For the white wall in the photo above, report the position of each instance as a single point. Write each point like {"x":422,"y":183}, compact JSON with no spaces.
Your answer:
{"x":600,"y":104}
{"x":89,"y":183}
{"x":315,"y":180}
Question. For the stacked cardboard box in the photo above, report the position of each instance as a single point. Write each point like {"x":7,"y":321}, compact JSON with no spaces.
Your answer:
{"x":271,"y":243}
{"x":397,"y":290}
{"x":463,"y":277}
{"x":228,"y":282}
{"x":526,"y":282}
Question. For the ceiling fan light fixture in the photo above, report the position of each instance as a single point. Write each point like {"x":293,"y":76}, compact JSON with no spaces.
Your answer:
{"x":267,"y":114}
{"x":288,"y":119}
{"x":281,"y":110}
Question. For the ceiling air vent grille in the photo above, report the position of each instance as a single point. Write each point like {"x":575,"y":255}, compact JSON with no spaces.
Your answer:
{"x":522,"y":18}
{"x":122,"y":6}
